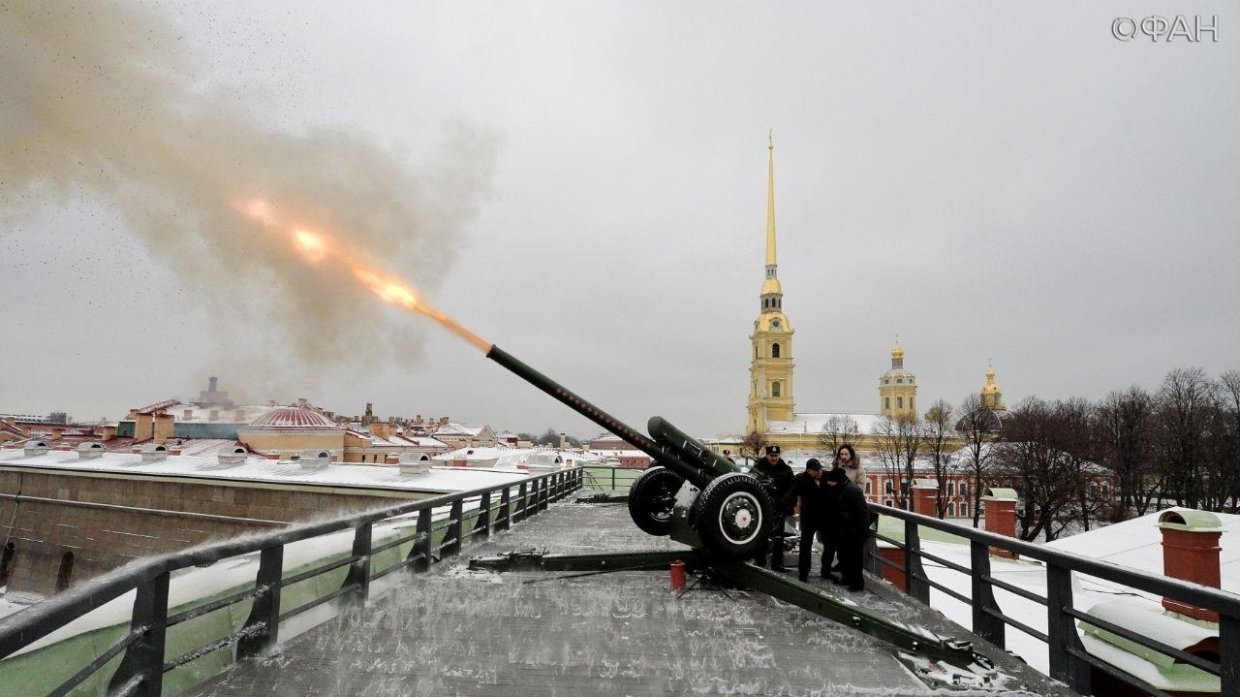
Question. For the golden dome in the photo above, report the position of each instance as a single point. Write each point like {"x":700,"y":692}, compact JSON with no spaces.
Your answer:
{"x":771,"y":286}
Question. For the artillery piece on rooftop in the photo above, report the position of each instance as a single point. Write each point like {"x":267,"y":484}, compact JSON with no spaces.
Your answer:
{"x":690,"y":493}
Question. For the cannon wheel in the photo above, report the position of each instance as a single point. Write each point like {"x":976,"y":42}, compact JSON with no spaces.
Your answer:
{"x":734,"y":513}
{"x":651,"y":499}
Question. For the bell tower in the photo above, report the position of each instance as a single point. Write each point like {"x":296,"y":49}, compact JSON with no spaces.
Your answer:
{"x":770,"y":371}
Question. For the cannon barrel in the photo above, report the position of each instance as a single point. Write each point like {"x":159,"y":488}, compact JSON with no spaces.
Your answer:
{"x":665,"y":456}
{"x":689,"y":448}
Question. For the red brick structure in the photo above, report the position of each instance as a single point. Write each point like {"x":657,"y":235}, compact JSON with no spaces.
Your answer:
{"x":1001,"y":516}
{"x":1190,"y":553}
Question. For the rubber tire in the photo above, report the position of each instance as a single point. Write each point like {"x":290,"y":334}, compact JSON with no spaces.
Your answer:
{"x":749,"y":507}
{"x":651,"y":498}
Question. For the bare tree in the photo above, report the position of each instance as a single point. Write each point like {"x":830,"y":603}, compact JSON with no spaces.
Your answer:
{"x":1229,"y":433}
{"x":1123,"y":425}
{"x":1185,"y":402}
{"x":751,"y":446}
{"x":938,"y":431}
{"x":836,"y":431}
{"x":976,"y":429}
{"x":1036,"y":458}
{"x":898,"y":441}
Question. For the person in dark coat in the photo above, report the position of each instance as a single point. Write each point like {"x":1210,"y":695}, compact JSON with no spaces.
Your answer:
{"x":776,"y":477}
{"x":849,"y":521}
{"x":809,"y":489}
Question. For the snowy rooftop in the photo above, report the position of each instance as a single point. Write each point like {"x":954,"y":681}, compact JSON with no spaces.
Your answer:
{"x":459,"y":632}
{"x":815,"y":423}
{"x":436,"y":480}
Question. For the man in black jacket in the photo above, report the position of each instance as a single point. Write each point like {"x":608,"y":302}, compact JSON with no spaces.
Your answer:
{"x":849,"y":520}
{"x":776,"y":477}
{"x":811,"y":491}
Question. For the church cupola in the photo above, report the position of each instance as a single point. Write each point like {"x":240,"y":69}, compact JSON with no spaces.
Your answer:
{"x":897,"y":388}
{"x":992,"y":396}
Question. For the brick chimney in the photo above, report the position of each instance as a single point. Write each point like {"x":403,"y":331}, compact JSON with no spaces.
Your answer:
{"x":163,"y":427}
{"x":1190,"y":553}
{"x":1001,"y":516}
{"x":924,"y":491}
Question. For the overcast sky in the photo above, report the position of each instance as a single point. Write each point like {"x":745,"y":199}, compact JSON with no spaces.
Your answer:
{"x":986,"y":180}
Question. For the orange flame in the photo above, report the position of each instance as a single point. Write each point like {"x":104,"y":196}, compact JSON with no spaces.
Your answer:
{"x":318,"y":247}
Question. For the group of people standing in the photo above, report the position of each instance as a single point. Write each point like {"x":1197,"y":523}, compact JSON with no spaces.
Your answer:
{"x":832,"y":508}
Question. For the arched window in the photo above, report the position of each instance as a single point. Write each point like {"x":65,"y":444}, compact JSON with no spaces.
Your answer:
{"x":964,"y":510}
{"x":899,"y":402}
{"x":868,"y":487}
{"x":65,"y":573}
{"x":1106,"y":491}
{"x":910,"y":404}
{"x":888,"y":488}
{"x":775,"y":389}
{"x":964,"y":492}
{"x":886,"y":402}
{"x":951,"y":488}
{"x":774,"y":350}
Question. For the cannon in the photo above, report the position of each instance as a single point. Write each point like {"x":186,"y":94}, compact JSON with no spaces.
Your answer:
{"x":689,"y":492}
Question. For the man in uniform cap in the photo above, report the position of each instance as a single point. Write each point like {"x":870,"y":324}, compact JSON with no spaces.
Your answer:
{"x":776,"y":477}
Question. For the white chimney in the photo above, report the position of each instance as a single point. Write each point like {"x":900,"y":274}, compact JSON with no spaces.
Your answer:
{"x":89,"y":450}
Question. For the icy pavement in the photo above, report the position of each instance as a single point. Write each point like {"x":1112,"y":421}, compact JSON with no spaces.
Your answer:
{"x":460,"y":632}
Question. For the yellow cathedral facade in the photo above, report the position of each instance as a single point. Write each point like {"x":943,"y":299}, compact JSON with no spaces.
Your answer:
{"x":771,"y":406}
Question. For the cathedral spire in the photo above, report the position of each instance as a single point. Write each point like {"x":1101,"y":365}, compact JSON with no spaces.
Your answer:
{"x":770,"y":205}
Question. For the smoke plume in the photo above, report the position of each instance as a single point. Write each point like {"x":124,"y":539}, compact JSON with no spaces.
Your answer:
{"x":102,"y":100}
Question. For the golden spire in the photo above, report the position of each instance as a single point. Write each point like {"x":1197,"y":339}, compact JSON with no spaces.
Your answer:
{"x":770,"y":200}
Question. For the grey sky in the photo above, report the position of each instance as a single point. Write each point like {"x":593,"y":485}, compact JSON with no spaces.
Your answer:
{"x":987,"y":180}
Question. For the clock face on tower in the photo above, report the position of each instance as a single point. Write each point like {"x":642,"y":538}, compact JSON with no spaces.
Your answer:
{"x":774,"y":324}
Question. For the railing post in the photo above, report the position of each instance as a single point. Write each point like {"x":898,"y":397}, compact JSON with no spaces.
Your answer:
{"x":421,"y":552}
{"x":914,"y":575}
{"x":452,"y":543}
{"x":544,"y":493}
{"x":359,"y":572}
{"x":613,"y":478}
{"x":522,"y":497}
{"x":483,"y":526}
{"x":266,"y":609}
{"x":985,"y":625}
{"x":144,"y":659}
{"x":504,"y":521}
{"x":1229,"y":645}
{"x":1062,"y":638}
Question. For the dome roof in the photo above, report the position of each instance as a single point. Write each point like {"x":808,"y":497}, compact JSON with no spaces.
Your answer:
{"x":292,"y":417}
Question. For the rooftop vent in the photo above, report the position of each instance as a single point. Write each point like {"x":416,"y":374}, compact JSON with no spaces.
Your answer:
{"x":36,"y":448}
{"x":412,"y":463}
{"x":315,"y":459}
{"x":89,"y":450}
{"x":154,"y":453}
{"x":233,"y":456}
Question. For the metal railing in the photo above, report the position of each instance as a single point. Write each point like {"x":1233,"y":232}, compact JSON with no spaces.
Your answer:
{"x":141,"y":650}
{"x":1068,"y":659}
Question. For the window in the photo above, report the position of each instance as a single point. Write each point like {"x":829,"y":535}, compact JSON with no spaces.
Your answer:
{"x":65,"y":573}
{"x":774,"y":350}
{"x":868,"y":488}
{"x":899,"y":402}
{"x":6,"y":562}
{"x":964,"y":491}
{"x":886,"y":402}
{"x":899,"y":381}
{"x":910,"y":404}
{"x":775,"y":389}
{"x":1106,"y":491}
{"x":964,"y":510}
{"x":951,"y":510}
{"x":951,"y":488}
{"x":887,"y":487}
{"x":888,"y":503}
